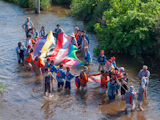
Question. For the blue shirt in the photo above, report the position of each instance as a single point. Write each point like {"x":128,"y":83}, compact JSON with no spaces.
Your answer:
{"x":58,"y":31}
{"x":69,"y":76}
{"x":86,"y":36}
{"x":60,"y":75}
{"x":101,"y":60}
{"x":112,"y":89}
{"x":88,"y":57}
{"x":143,"y":73}
{"x":53,"y":68}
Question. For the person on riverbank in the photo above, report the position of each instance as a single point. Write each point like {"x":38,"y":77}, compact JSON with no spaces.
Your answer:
{"x":68,"y":78}
{"x":104,"y":81}
{"x":130,"y":99}
{"x":28,"y":58}
{"x":42,"y":32}
{"x":60,"y":76}
{"x":76,"y":32}
{"x":101,"y":60}
{"x":141,"y":93}
{"x":113,"y":86}
{"x":27,"y":25}
{"x":20,"y":50}
{"x":48,"y":87}
{"x":83,"y":79}
{"x":57,"y":31}
{"x":87,"y":56}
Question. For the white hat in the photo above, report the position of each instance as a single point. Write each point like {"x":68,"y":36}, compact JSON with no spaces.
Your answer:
{"x":145,"y":67}
{"x":76,"y":28}
{"x":121,"y":69}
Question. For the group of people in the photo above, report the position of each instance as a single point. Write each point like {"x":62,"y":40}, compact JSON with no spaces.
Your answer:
{"x":113,"y":79}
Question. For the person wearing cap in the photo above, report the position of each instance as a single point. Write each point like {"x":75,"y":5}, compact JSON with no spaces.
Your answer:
{"x":83,"y":78}
{"x":28,"y":58}
{"x":85,"y":35}
{"x":27,"y":25}
{"x":37,"y":65}
{"x":57,"y":31}
{"x":141,"y":93}
{"x":101,"y":60}
{"x":113,"y":86}
{"x":144,"y":73}
{"x":68,"y":77}
{"x":130,"y":99}
{"x":20,"y":50}
{"x":42,"y":32}
{"x":60,"y":76}
{"x":87,"y":56}
{"x":73,"y":40}
{"x":104,"y":81}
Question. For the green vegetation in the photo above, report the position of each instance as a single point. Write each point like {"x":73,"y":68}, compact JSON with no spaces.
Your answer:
{"x":62,"y":2}
{"x":123,"y":27}
{"x":30,"y":3}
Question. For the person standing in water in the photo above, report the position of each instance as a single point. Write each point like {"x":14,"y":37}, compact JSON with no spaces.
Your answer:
{"x":87,"y":56}
{"x":141,"y":93}
{"x":20,"y":50}
{"x":42,"y":32}
{"x":101,"y":60}
{"x":144,"y":73}
{"x":27,"y":25}
{"x":60,"y":76}
{"x":130,"y":99}
{"x":83,"y":79}
{"x":68,"y":78}
{"x":48,"y":87}
{"x":57,"y":31}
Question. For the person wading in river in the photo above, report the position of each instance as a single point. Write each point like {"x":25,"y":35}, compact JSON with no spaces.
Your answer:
{"x":42,"y":32}
{"x":37,"y":65}
{"x":144,"y":73}
{"x":28,"y":58}
{"x":20,"y":50}
{"x":27,"y":25}
{"x":83,"y":79}
{"x":68,"y":78}
{"x":60,"y":76}
{"x":48,"y":87}
{"x":101,"y":60}
{"x":57,"y":31}
{"x":130,"y":99}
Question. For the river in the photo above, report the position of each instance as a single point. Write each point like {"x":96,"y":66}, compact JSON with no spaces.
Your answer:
{"x":23,"y":96}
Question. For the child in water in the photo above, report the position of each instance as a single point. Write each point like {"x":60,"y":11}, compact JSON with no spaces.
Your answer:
{"x":48,"y":76}
{"x":113,"y":86}
{"x":68,"y":78}
{"x":60,"y":76}
{"x":83,"y":78}
{"x":104,"y":80}
{"x":130,"y":99}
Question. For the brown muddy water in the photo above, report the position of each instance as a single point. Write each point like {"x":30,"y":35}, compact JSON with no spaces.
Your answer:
{"x":23,"y":96}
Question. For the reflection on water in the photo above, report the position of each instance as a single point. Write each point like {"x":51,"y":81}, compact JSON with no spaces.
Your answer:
{"x":24,"y":99}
